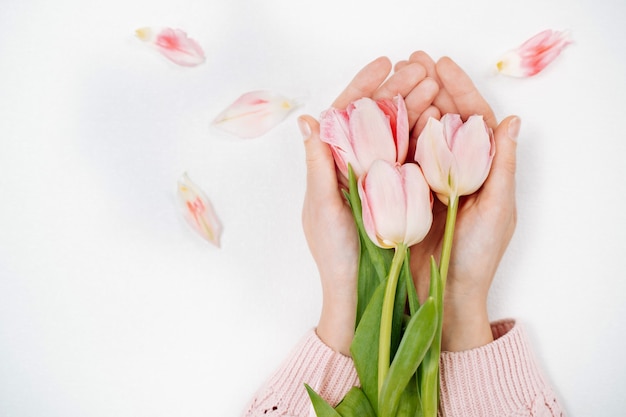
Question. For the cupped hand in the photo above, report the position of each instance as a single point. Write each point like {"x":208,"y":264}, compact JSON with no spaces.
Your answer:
{"x":485,"y":221}
{"x":326,"y":217}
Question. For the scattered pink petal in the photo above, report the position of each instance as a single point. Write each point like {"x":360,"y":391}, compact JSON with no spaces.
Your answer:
{"x":175,"y":45}
{"x":254,"y":114}
{"x":533,"y":55}
{"x":198,"y":211}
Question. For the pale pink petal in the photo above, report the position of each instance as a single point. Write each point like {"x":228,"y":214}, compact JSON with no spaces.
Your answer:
{"x":397,"y":113}
{"x":419,"y":215}
{"x":175,"y":45}
{"x":451,"y":124}
{"x":254,"y":114}
{"x":396,"y":204}
{"x":370,"y":132}
{"x":435,"y":158}
{"x":365,"y":131}
{"x":402,"y":129}
{"x":178,"y":48}
{"x":455,"y":157}
{"x":198,"y":211}
{"x":335,"y":130}
{"x":473,"y":152}
{"x":534,"y":55}
{"x":384,"y":204}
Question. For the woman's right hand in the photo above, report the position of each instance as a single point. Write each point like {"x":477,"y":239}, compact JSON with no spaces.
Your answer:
{"x":326,"y":217}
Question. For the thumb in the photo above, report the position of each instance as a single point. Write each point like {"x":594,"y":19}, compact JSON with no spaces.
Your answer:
{"x":501,"y":179}
{"x":320,"y":165}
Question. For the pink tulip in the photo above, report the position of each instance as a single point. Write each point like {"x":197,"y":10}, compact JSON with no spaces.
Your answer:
{"x":254,"y":114}
{"x":198,"y":211}
{"x":366,"y":131}
{"x":534,"y":54}
{"x":396,"y":204}
{"x":175,"y":45}
{"x":455,"y":156}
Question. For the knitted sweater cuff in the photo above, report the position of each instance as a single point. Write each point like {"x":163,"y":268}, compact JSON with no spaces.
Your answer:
{"x":503,"y":374}
{"x":328,"y":372}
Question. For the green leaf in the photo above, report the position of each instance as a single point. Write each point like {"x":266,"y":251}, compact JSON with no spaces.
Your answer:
{"x":419,"y":408}
{"x":399,"y":310}
{"x":364,"y":348}
{"x":322,"y":408}
{"x":367,"y":280}
{"x":355,"y":404}
{"x":414,"y":303}
{"x":410,"y":404}
{"x":415,"y":343}
{"x":429,"y":370}
{"x":374,"y":262}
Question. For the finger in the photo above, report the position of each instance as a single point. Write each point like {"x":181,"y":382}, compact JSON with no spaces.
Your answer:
{"x":431,"y":111}
{"x":400,"y":64}
{"x":420,"y":98}
{"x":401,"y":83}
{"x":425,"y":60}
{"x":463,"y":92}
{"x":501,"y":179}
{"x":365,"y":83}
{"x":443,"y":101}
{"x":320,"y":165}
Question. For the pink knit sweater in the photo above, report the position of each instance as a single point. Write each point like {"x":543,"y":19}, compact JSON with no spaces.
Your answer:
{"x":500,"y":379}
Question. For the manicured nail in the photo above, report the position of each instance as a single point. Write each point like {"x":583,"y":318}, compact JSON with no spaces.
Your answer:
{"x":305,"y":129}
{"x":514,"y":126}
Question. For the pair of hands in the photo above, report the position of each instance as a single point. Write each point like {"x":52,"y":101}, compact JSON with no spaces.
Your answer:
{"x":485,"y":220}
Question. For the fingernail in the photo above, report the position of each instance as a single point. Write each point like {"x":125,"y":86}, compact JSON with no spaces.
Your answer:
{"x":305,"y":129}
{"x":514,"y":126}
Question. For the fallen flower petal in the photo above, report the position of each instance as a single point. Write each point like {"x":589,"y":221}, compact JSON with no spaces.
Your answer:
{"x":254,"y":114}
{"x":533,"y":55}
{"x":198,"y":211}
{"x":175,"y":45}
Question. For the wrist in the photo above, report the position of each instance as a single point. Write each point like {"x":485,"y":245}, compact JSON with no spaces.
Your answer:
{"x":465,"y":325}
{"x":336,"y":324}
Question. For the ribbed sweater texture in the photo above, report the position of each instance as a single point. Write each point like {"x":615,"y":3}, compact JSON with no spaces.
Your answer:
{"x":500,"y":379}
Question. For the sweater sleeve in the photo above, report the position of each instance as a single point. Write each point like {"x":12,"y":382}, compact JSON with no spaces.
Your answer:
{"x":498,"y":379}
{"x":329,"y":373}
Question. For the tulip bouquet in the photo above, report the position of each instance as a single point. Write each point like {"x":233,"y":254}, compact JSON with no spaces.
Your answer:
{"x":397,"y":341}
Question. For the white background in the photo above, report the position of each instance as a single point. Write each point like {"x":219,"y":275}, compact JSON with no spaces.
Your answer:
{"x":111,"y":306}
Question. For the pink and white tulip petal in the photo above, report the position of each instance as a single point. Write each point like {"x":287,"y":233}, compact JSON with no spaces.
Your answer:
{"x":254,"y":114}
{"x":365,"y":131}
{"x":396,"y":202}
{"x":455,"y":157}
{"x":175,"y":45}
{"x":534,"y":55}
{"x":198,"y":210}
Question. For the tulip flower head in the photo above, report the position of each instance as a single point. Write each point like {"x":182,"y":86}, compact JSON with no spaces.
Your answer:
{"x":396,"y":204}
{"x":533,"y":55}
{"x":366,"y":131}
{"x":455,"y":156}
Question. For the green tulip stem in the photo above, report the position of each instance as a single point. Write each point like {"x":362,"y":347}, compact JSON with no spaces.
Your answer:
{"x":384,"y":341}
{"x":430,"y":373}
{"x":448,"y":235}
